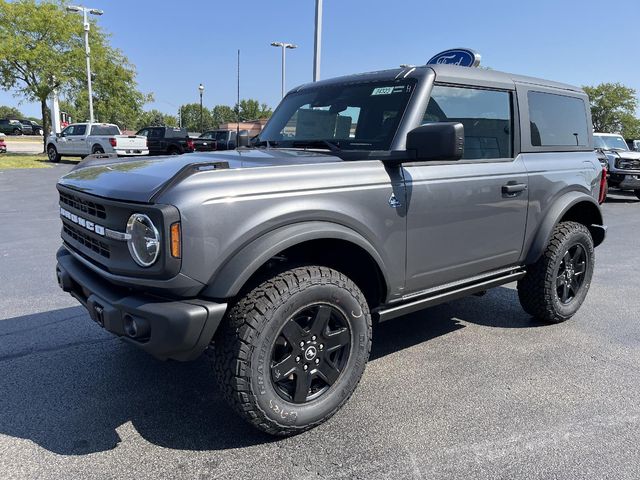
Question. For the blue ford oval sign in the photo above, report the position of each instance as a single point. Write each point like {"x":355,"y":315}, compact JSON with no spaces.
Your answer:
{"x":462,"y":57}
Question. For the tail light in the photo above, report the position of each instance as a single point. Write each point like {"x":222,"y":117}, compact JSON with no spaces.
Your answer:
{"x":603,"y":186}
{"x":190,"y":144}
{"x":113,"y":142}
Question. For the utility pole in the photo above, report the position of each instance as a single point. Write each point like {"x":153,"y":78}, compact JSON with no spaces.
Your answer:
{"x":317,"y":41}
{"x":87,"y":50}
{"x":238,"y":105}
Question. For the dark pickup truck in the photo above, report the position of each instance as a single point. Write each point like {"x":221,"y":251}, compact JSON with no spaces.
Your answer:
{"x":216,"y":140}
{"x":167,"y":140}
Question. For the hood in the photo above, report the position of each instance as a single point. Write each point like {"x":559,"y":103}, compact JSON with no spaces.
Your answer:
{"x":628,"y":154}
{"x":140,"y":179}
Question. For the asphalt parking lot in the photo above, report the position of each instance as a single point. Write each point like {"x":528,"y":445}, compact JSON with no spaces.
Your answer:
{"x":470,"y":389}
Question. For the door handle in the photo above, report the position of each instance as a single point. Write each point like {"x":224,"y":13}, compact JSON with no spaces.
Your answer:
{"x":512,"y":189}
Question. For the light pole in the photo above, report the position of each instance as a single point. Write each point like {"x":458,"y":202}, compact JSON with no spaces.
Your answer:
{"x":317,"y":41}
{"x":87,"y":51}
{"x":284,"y":47}
{"x":201,"y":88}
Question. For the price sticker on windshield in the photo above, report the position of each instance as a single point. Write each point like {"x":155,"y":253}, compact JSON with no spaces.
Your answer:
{"x":388,"y":90}
{"x":382,"y":91}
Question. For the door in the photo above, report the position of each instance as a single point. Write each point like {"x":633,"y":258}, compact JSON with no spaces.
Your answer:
{"x":77,"y":141}
{"x":155,"y":141}
{"x":63,"y":145}
{"x":467,"y":217}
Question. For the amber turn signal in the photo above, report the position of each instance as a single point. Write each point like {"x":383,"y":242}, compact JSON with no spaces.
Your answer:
{"x":175,"y":240}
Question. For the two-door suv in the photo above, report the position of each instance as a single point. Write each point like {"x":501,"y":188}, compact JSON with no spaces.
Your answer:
{"x":363,"y":199}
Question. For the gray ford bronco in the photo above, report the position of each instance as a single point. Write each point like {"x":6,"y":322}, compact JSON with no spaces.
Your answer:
{"x":364,"y":198}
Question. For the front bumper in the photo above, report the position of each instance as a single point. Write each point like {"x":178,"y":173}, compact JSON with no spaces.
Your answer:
{"x":175,"y":329}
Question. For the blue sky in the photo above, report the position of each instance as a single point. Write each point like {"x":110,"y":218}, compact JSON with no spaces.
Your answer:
{"x":177,"y":45}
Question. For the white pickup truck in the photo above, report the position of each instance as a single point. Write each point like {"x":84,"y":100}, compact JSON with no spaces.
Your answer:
{"x":82,"y":139}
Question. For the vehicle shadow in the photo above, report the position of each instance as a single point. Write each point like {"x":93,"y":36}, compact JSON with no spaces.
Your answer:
{"x":625,"y":196}
{"x":499,"y":308}
{"x":70,"y":387}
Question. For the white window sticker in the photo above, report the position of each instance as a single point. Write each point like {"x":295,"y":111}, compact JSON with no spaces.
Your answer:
{"x":382,"y":91}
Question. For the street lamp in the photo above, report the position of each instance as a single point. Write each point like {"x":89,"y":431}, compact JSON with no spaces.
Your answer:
{"x":201,"y":88}
{"x":85,"y":11}
{"x":284,"y":47}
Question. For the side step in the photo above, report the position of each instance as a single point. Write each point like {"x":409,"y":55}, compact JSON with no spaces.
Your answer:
{"x":447,"y":293}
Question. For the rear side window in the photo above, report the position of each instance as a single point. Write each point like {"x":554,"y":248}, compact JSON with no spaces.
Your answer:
{"x":557,"y":120}
{"x":485,"y":114}
{"x":104,"y":130}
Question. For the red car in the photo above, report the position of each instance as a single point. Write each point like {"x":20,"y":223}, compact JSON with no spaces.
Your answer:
{"x":3,"y":145}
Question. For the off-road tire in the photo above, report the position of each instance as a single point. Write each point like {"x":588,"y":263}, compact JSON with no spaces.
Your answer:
{"x":53,"y":154}
{"x":241,"y":349}
{"x":538,"y":290}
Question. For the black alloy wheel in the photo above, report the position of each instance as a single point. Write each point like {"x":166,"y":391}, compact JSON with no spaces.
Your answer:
{"x":310,"y":353}
{"x":571,"y":274}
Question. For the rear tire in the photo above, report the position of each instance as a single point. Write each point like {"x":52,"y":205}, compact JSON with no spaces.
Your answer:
{"x":53,"y":154}
{"x":292,"y":350}
{"x":174,"y":151}
{"x":96,"y":150}
{"x":556,"y":285}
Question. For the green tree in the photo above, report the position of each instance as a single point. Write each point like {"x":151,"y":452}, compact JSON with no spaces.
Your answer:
{"x":10,"y":112}
{"x":41,"y":49}
{"x":222,"y":114}
{"x":253,"y":110}
{"x":154,"y":118}
{"x":191,"y":118}
{"x":613,"y":108}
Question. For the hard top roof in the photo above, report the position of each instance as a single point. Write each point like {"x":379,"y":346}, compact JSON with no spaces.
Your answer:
{"x":446,"y":74}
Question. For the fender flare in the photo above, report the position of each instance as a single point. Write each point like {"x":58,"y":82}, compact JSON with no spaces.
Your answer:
{"x":553,"y":216}
{"x":231,"y":277}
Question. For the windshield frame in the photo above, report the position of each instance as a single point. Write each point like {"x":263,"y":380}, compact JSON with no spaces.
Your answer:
{"x":332,"y":143}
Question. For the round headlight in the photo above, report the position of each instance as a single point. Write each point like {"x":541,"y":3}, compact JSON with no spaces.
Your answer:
{"x":144,"y":239}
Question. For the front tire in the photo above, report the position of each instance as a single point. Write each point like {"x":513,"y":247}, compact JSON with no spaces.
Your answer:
{"x":53,"y":154}
{"x":556,"y":285}
{"x":293,"y":349}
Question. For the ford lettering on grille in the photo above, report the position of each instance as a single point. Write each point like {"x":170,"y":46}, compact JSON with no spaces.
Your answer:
{"x":82,"y":222}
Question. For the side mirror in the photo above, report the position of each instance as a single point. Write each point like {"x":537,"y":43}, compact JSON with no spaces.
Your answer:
{"x":243,"y":138}
{"x":437,"y":141}
{"x":58,"y":135}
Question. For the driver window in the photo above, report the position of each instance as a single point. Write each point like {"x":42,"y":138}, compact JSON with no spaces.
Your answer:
{"x":485,"y":114}
{"x":68,"y":131}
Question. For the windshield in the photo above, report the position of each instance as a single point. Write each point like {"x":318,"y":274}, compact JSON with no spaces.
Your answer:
{"x":358,"y":116}
{"x":607,"y":142}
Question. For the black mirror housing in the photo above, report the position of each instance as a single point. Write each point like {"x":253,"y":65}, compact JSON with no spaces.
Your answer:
{"x":437,"y":141}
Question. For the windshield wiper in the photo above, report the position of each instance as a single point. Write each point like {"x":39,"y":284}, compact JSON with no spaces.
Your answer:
{"x":333,"y":146}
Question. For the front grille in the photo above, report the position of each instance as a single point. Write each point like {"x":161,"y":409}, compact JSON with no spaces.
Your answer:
{"x":82,"y":238}
{"x":628,"y":164}
{"x":85,"y":206}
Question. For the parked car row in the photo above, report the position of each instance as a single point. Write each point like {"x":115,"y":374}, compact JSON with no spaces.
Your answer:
{"x":13,"y":126}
